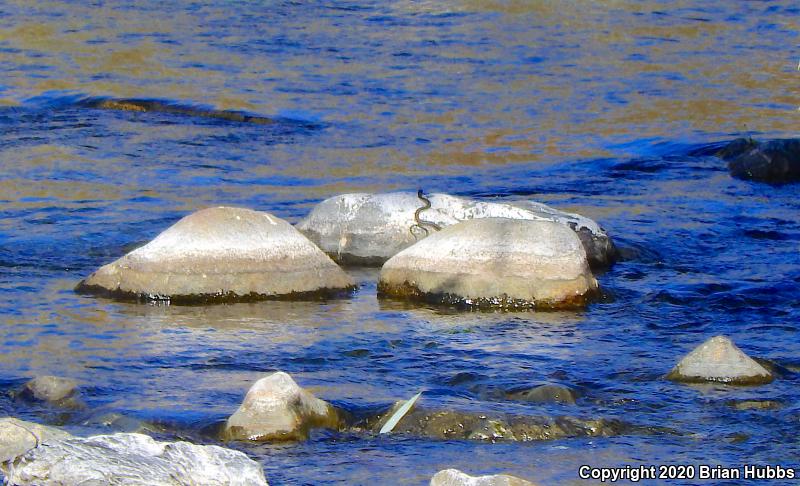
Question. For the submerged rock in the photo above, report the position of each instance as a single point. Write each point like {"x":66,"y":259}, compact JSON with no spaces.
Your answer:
{"x":455,"y":425}
{"x":493,"y":263}
{"x":55,"y":390}
{"x":756,"y":404}
{"x":222,"y":254}
{"x":368,"y":229}
{"x":57,"y":458}
{"x":545,"y":394}
{"x":771,"y":161}
{"x":719,"y":360}
{"x":276,"y":408}
{"x":454,"y":477}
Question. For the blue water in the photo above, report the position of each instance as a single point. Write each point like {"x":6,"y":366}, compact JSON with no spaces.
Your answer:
{"x":599,"y":109}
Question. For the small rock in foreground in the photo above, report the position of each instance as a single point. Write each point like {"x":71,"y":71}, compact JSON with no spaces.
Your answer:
{"x":493,"y":263}
{"x":276,"y":408}
{"x":454,"y":477}
{"x":55,"y":390}
{"x":222,"y":255}
{"x":719,"y":360}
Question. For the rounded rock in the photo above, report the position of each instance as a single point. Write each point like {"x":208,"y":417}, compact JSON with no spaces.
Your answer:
{"x":52,"y":389}
{"x":719,"y":360}
{"x":368,"y":229}
{"x":222,"y":254}
{"x":276,"y":408}
{"x":493,"y":263}
{"x":454,"y":477}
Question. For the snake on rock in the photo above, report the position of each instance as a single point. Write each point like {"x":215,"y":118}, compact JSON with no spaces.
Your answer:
{"x":421,"y":223}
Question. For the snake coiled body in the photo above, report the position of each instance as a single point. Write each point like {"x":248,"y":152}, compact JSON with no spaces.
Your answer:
{"x":421,"y":223}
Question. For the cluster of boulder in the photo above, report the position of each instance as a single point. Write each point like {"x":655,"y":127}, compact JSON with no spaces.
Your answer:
{"x":276,"y":408}
{"x":440,"y":249}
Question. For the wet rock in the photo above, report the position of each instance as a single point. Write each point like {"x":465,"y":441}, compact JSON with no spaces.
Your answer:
{"x":545,"y":394}
{"x":17,"y":437}
{"x":55,"y":390}
{"x":771,"y":161}
{"x":493,"y":263}
{"x":368,"y":229}
{"x":157,"y":106}
{"x":454,"y":477}
{"x":455,"y":425}
{"x":276,"y":408}
{"x":222,"y":254}
{"x":719,"y":360}
{"x":117,"y":422}
{"x":131,"y":459}
{"x":756,"y":405}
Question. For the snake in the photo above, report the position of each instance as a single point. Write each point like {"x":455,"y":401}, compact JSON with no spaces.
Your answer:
{"x":421,"y":223}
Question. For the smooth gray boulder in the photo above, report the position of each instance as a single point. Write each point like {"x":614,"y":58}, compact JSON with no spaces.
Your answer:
{"x":129,"y":459}
{"x":493,"y":263}
{"x":222,"y":254}
{"x":55,"y":390}
{"x":368,"y":229}
{"x":719,"y":360}
{"x":454,"y":477}
{"x":276,"y":408}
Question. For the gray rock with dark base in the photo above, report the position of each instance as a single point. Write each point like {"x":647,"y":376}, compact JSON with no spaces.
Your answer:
{"x":454,"y":477}
{"x":771,"y":161}
{"x":222,"y":254}
{"x":368,"y":229}
{"x":276,"y":408}
{"x":493,"y":263}
{"x":55,"y":390}
{"x":719,"y":360}
{"x":125,"y":459}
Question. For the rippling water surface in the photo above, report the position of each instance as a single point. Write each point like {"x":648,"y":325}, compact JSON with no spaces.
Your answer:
{"x":591,"y":107}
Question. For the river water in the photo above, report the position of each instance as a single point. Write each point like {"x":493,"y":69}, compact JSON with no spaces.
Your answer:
{"x":601,"y":108}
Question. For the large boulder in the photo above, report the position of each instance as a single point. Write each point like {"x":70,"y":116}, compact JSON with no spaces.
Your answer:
{"x":49,"y":459}
{"x":493,"y":262}
{"x":771,"y":161}
{"x":368,"y":229}
{"x":719,"y":360}
{"x":454,"y":477}
{"x":222,"y":254}
{"x":276,"y":408}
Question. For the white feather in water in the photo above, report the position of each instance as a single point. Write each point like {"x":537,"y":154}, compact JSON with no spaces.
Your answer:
{"x":399,"y":414}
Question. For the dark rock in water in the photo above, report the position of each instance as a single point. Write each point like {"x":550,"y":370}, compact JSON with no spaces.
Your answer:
{"x":545,"y":394}
{"x":156,"y":106}
{"x":454,"y":425}
{"x":756,"y":405}
{"x":772,"y":161}
{"x":454,"y":477}
{"x":54,"y":390}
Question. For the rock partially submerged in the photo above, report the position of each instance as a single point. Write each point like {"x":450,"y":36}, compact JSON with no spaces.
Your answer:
{"x":456,"y":425}
{"x":368,"y":229}
{"x":719,"y":360}
{"x":44,"y":456}
{"x":454,"y":477}
{"x":276,"y":408}
{"x":771,"y":161}
{"x":549,"y":393}
{"x":55,"y":390}
{"x":493,"y":263}
{"x":219,"y":255}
